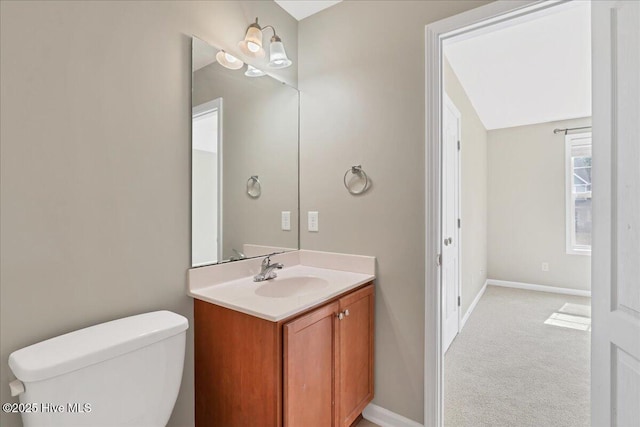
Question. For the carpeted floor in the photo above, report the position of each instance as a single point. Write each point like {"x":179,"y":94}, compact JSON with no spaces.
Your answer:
{"x":508,"y":368}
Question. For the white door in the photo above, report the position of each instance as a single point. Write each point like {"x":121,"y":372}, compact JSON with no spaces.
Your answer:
{"x":615,"y":353}
{"x":450,"y":215}
{"x":206,"y":185}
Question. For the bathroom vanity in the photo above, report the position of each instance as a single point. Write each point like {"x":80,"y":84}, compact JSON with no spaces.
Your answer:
{"x":293,"y":351}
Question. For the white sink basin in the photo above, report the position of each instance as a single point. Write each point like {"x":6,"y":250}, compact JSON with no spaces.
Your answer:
{"x":291,"y":286}
{"x":297,"y":287}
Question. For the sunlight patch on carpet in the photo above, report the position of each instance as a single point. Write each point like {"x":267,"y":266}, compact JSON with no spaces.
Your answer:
{"x":572,"y":316}
{"x":576,"y":309}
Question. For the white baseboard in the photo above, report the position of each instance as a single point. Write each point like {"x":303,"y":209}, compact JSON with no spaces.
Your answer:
{"x":473,"y":305}
{"x":385,"y":418}
{"x":541,"y":288}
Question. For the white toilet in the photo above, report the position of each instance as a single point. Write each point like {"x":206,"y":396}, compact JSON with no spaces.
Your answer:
{"x":121,"y":373}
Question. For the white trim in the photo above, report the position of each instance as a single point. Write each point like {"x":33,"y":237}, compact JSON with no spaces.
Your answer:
{"x":583,"y":252}
{"x":220,"y":176}
{"x":433,"y":358}
{"x":206,"y":107}
{"x":473,"y":304}
{"x":541,"y":288}
{"x":435,"y":35}
{"x":385,"y":418}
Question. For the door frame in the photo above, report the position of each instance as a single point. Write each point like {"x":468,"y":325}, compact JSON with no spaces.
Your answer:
{"x":436,"y":34}
{"x":447,"y":100}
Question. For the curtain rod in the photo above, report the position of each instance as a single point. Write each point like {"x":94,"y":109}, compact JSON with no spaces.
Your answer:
{"x":570,"y":129}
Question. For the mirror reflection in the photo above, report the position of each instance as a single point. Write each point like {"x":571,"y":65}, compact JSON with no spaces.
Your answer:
{"x":244,"y":161}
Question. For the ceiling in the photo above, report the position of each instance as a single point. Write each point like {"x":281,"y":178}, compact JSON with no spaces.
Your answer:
{"x":535,"y":71}
{"x":301,"y":9}
{"x":203,"y":54}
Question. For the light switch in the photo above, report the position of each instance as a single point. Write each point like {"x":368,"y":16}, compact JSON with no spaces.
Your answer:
{"x":286,"y":220}
{"x":313,"y":220}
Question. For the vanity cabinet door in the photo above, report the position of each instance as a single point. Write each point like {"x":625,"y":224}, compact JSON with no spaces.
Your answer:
{"x":309,"y":368}
{"x":354,"y":376}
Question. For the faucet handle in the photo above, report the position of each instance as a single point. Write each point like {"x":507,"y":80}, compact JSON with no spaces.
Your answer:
{"x":267,"y":261}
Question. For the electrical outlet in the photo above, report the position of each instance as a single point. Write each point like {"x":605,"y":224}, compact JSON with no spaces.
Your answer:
{"x":312,"y":218}
{"x":286,"y":220}
{"x":545,"y":266}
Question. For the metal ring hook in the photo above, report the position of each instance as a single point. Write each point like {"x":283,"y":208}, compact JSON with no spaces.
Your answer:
{"x":356,"y":170}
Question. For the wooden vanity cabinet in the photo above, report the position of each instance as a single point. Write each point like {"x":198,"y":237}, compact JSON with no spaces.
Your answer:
{"x":354,"y":375}
{"x":310,"y":361}
{"x":313,"y":369}
{"x":328,"y":362}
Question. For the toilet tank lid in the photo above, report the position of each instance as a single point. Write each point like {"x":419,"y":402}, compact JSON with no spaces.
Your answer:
{"x":84,"y":347}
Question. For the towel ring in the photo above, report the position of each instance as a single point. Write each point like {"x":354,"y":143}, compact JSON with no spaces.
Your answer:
{"x":254,"y":188}
{"x":356,"y":170}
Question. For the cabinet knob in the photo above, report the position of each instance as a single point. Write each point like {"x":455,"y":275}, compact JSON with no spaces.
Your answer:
{"x":346,"y":312}
{"x":340,"y":316}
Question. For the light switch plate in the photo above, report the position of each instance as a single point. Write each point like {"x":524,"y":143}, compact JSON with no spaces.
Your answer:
{"x":286,"y":220}
{"x":312,"y":220}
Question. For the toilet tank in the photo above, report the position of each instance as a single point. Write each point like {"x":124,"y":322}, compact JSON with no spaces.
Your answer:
{"x":126,"y":372}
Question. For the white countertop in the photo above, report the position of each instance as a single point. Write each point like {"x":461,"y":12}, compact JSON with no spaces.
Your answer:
{"x":244,"y":295}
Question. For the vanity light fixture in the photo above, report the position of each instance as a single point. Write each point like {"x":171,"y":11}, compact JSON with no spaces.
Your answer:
{"x":228,"y":61}
{"x":252,"y":43}
{"x":252,"y":46}
{"x":277,"y":55}
{"x":254,"y":72}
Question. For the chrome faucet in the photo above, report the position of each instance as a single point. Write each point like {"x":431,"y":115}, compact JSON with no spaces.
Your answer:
{"x":240,"y":255}
{"x":267,"y":270}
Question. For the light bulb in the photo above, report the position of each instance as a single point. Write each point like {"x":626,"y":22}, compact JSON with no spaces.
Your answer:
{"x":252,"y":43}
{"x":253,"y":47}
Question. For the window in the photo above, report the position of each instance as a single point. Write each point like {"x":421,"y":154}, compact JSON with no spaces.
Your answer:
{"x":578,"y":193}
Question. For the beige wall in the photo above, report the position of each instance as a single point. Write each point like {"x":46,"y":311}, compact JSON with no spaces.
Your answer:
{"x":95,"y":149}
{"x":260,"y":137}
{"x":473,"y":199}
{"x":527,"y":207}
{"x":362,"y":102}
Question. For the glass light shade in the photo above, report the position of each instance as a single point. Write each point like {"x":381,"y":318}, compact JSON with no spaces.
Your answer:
{"x":277,"y":55}
{"x":228,"y":61}
{"x":253,"y":47}
{"x":252,"y":43}
{"x":254,"y":72}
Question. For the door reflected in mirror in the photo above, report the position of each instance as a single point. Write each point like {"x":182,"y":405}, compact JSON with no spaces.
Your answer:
{"x":206,"y":139}
{"x":244,"y":162}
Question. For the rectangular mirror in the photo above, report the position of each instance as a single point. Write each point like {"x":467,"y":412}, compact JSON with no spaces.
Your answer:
{"x":244,"y":167}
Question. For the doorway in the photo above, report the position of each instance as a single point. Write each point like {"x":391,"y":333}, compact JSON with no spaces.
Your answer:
{"x":206,"y":185}
{"x":615,"y":354}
